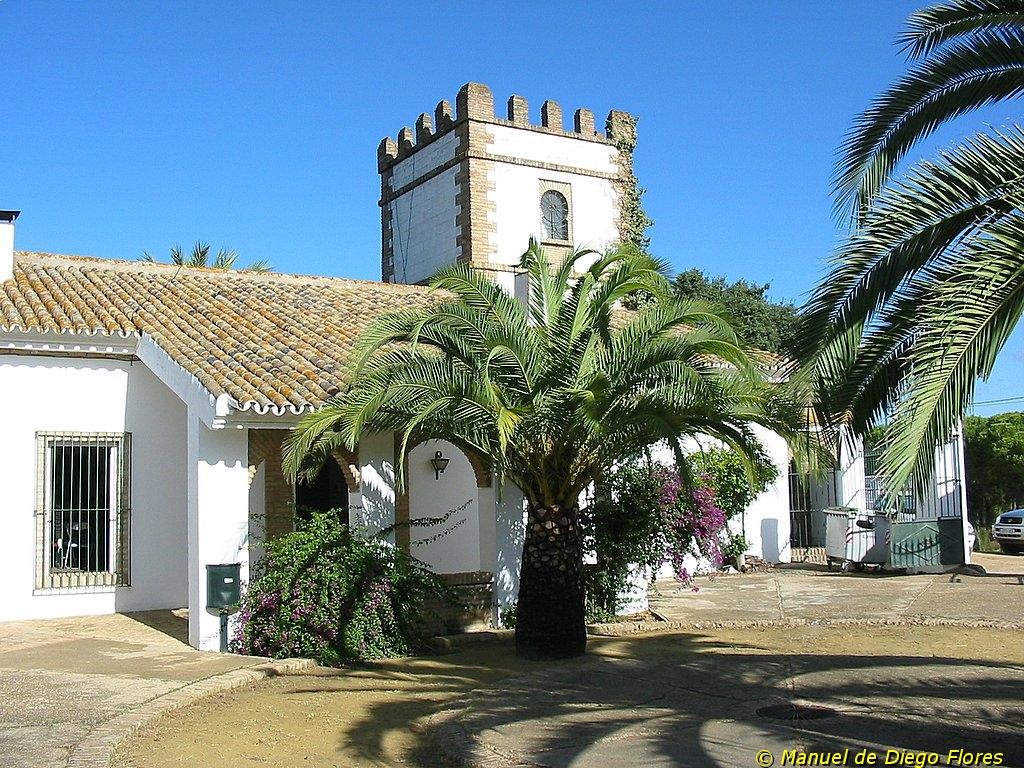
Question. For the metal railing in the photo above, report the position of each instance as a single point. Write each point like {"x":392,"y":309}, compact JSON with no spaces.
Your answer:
{"x":83,"y":509}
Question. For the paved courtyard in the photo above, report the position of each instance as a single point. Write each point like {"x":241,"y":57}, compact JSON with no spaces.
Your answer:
{"x":757,"y":669}
{"x":717,"y":699}
{"x":62,"y":680}
{"x":791,"y":659}
{"x":952,"y":676}
{"x":813,"y":593}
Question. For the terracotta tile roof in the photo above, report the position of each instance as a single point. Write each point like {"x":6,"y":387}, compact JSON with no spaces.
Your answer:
{"x":262,"y":339}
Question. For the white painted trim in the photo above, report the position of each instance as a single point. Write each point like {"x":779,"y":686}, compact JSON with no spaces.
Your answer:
{"x":56,"y":342}
{"x":187,"y":387}
{"x":219,"y":412}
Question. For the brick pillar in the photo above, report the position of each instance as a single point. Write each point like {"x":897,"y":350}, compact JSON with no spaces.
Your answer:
{"x":475,"y":101}
{"x":583,"y":122}
{"x":279,"y":495}
{"x":424,"y":128}
{"x":518,"y":110}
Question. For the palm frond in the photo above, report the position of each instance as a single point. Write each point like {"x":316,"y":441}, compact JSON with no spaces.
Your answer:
{"x":931,"y":27}
{"x":552,"y":393}
{"x":200,"y":256}
{"x":921,"y":299}
{"x":931,"y":210}
{"x":957,"y":79}
{"x":225,"y":258}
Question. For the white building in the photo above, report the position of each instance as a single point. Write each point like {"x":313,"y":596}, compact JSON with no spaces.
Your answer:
{"x":145,"y":404}
{"x":146,"y":408}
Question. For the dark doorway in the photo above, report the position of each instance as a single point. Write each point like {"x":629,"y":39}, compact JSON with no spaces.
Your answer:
{"x":327,"y":491}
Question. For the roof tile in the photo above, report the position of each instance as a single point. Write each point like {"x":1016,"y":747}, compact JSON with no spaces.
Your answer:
{"x":260,"y":338}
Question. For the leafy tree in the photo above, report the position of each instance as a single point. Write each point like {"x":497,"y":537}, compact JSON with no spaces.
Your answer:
{"x":994,"y":454}
{"x":200,"y":257}
{"x":553,"y":392}
{"x":724,"y":472}
{"x":928,"y":283}
{"x":759,"y":321}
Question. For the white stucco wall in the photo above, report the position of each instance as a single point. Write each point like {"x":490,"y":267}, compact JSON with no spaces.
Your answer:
{"x":217,"y":469}
{"x":766,"y":521}
{"x":83,"y":395}
{"x":517,"y":189}
{"x":510,"y":531}
{"x":423,"y":230}
{"x":541,"y":147}
{"x":453,"y":546}
{"x":849,"y":482}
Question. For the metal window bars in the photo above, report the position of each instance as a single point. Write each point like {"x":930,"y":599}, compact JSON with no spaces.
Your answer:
{"x":83,"y":509}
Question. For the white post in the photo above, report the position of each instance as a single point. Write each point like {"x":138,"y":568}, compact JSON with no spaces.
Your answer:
{"x":377,"y":483}
{"x":218,"y":519}
{"x":510,"y":530}
{"x":487,"y":509}
{"x":959,"y":464}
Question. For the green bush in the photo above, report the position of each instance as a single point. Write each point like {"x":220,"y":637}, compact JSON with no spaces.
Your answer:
{"x":723,"y":471}
{"x":329,"y":594}
{"x":985,"y":542}
{"x":734,"y":545}
{"x":623,"y":526}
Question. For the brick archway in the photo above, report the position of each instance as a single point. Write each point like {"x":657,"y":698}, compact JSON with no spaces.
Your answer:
{"x":349,"y":463}
{"x":481,"y":471}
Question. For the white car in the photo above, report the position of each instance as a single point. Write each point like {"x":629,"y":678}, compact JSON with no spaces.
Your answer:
{"x":1008,"y":531}
{"x":972,"y":537}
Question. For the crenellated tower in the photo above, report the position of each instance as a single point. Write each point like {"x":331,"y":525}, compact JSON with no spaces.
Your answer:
{"x":465,"y":185}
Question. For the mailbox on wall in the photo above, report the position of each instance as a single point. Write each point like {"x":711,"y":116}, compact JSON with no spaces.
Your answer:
{"x":223,"y":594}
{"x":223,"y":587}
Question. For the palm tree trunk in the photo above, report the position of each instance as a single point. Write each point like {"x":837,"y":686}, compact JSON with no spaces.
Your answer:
{"x":549,"y":614}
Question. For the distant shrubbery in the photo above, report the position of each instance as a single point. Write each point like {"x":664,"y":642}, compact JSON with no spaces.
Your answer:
{"x":327,"y":593}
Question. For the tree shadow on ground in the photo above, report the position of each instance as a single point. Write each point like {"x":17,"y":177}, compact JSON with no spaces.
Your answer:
{"x":683,"y":699}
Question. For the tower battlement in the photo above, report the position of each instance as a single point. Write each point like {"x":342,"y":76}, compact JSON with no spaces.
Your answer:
{"x":475,"y":101}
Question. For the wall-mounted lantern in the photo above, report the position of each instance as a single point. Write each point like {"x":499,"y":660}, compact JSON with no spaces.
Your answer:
{"x":439,"y":463}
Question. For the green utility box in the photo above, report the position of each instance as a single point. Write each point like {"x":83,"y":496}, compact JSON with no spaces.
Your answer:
{"x":927,"y":543}
{"x":223,"y":587}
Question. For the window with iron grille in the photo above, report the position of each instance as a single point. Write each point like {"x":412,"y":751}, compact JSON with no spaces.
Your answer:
{"x":555,"y":212}
{"x":83,"y":509}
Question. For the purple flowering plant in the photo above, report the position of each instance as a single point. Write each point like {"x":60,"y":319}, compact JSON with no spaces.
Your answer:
{"x":692,"y":521}
{"x":644,"y":515}
{"x":327,"y":593}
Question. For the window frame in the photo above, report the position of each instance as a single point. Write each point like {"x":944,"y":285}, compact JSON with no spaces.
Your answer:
{"x":565,"y":190}
{"x":119,"y":470}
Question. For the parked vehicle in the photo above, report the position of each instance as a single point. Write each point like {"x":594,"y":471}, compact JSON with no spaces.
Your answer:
{"x":1008,"y":531}
{"x":972,"y":536}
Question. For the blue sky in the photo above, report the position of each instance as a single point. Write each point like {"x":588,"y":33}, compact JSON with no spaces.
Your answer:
{"x":131,"y":126}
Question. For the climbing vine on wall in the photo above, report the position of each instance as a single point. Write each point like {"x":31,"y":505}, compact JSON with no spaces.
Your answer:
{"x":634,"y":222}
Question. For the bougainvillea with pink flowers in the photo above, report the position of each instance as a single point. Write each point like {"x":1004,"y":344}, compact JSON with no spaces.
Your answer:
{"x":691,"y":519}
{"x":646,"y":514}
{"x":326,"y":593}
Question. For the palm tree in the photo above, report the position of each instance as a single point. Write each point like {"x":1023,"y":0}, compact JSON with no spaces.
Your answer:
{"x":552,"y":392}
{"x":200,"y":257}
{"x":928,"y":283}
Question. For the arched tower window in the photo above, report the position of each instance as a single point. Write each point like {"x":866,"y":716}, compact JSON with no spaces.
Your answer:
{"x":554,"y":213}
